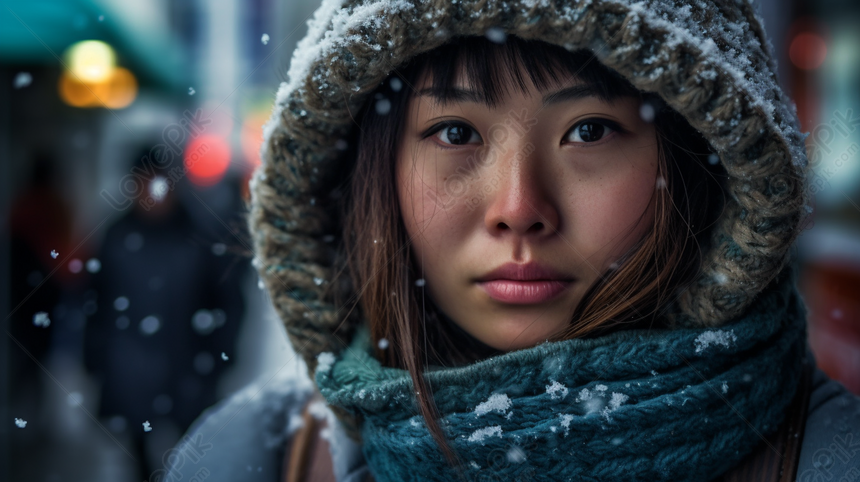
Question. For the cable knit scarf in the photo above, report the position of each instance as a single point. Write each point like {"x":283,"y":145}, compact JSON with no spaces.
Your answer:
{"x":636,"y":405}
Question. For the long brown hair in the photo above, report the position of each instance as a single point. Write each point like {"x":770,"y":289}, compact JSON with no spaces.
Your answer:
{"x":376,"y":250}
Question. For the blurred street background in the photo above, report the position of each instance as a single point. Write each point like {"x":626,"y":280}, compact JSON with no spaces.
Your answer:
{"x":126,"y":290}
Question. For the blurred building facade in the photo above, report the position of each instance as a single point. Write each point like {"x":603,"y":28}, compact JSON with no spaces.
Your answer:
{"x":194,"y":81}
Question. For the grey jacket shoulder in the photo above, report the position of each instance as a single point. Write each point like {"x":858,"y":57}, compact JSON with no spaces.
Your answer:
{"x":244,"y":436}
{"x":831,"y":442}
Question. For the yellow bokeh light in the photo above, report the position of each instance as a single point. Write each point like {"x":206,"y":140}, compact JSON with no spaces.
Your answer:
{"x":91,"y":61}
{"x":115,"y":92}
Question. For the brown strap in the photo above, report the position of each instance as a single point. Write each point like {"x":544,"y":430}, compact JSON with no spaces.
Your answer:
{"x":308,"y":458}
{"x":795,"y":430}
{"x":776,"y":458}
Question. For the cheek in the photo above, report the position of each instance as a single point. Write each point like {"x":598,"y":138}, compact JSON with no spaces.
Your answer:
{"x":613,"y":211}
{"x":417,"y":194}
{"x":435,"y":221}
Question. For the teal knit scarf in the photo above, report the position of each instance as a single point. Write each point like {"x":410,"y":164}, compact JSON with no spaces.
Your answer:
{"x":635,"y":405}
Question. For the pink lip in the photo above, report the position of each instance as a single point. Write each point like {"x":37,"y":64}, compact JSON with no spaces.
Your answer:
{"x":524,"y":283}
{"x":524,"y":292}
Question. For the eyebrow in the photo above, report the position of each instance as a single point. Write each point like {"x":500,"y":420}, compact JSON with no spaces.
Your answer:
{"x":455,"y":95}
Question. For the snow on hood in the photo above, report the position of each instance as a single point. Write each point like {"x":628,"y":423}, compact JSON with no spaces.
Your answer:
{"x":709,"y":60}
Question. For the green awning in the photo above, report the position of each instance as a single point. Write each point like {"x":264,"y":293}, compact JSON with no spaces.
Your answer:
{"x":39,"y":31}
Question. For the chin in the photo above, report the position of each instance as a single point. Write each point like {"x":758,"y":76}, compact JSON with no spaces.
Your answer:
{"x":518,"y":335}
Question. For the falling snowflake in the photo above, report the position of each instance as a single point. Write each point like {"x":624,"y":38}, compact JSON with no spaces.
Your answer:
{"x":396,"y":84}
{"x":23,"y":79}
{"x":296,"y":422}
{"x":218,"y":249}
{"x":725,"y":387}
{"x":121,"y":303}
{"x":318,"y":410}
{"x":265,"y":39}
{"x":383,"y":106}
{"x":54,"y":254}
{"x":158,"y":188}
{"x":123,"y":322}
{"x":419,"y":282}
{"x":149,"y":325}
{"x":647,"y":112}
{"x":21,"y":423}
{"x":191,"y":91}
{"x":147,"y":427}
{"x":383,"y":344}
{"x":516,"y":455}
{"x":318,"y":281}
{"x":203,"y":321}
{"x":41,"y":319}
{"x":324,"y":361}
{"x":496,"y":35}
{"x":94,"y":265}
{"x":661,"y":182}
{"x":76,"y":265}
{"x":224,"y":356}
{"x":713,"y":159}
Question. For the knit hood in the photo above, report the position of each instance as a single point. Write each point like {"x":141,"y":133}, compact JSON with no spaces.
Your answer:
{"x":708,"y":60}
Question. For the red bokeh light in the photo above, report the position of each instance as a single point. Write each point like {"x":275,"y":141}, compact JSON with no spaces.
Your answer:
{"x":807,"y":51}
{"x":207,"y":158}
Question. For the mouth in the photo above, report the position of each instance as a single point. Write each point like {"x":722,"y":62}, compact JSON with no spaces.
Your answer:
{"x":524,"y":292}
{"x":524,"y":283}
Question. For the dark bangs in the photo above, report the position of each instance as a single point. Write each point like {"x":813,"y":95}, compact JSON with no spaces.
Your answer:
{"x":492,"y":69}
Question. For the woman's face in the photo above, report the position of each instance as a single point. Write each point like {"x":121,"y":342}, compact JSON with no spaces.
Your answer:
{"x":563,"y":182}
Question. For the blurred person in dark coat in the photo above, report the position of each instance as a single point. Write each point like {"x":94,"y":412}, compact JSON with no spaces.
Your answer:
{"x":167,"y":309}
{"x":40,"y":225}
{"x":40,"y":228}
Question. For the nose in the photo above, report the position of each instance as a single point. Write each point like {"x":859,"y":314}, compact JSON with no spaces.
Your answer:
{"x":521,"y":202}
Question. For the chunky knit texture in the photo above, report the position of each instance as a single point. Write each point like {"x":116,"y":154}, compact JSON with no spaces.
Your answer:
{"x":641,"y":405}
{"x":709,"y":60}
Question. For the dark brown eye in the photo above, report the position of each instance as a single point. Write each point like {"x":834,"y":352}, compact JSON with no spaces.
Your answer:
{"x":457,"y":134}
{"x":589,"y":131}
